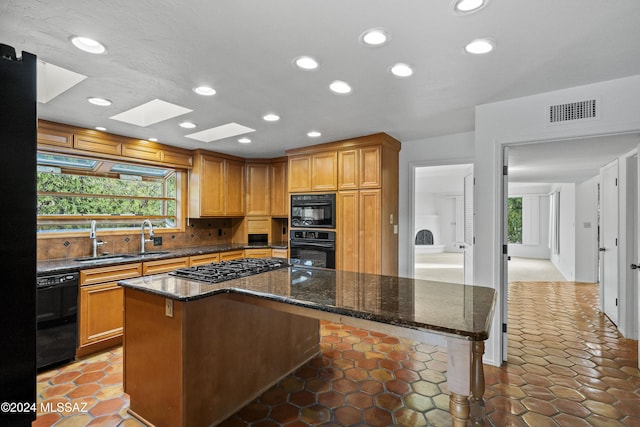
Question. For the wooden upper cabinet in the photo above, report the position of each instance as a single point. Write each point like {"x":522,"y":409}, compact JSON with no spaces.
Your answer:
{"x":279,"y":195}
{"x":348,"y":169}
{"x":299,"y":173}
{"x":360,"y":168}
{"x":142,"y":152}
{"x":258,"y":189}
{"x":97,"y":144}
{"x":177,"y":158}
{"x":313,"y":172}
{"x":370,"y":164}
{"x":234,"y":193}
{"x":54,"y":136}
{"x":324,"y":171}
{"x":206,"y":187}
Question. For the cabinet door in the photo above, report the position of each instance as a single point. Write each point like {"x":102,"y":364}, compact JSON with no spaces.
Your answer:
{"x":97,"y":144}
{"x":324,"y":171}
{"x":142,"y":152}
{"x":258,"y":189}
{"x":50,"y":135}
{"x":176,"y":158}
{"x":347,"y":231}
{"x":370,"y":234}
{"x":299,"y":174}
{"x":279,"y":196}
{"x":370,"y":175}
{"x":348,"y":169}
{"x":234,"y":188}
{"x":101,"y":312}
{"x":211,"y":186}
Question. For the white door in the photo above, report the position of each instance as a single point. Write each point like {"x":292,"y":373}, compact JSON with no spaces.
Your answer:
{"x":609,"y":240}
{"x":468,"y":226}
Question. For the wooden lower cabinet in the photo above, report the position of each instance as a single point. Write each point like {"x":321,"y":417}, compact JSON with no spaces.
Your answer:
{"x":257,"y":253}
{"x":211,"y":358}
{"x":203,"y":259}
{"x":280,"y":253}
{"x":164,"y":265}
{"x":231,"y":255}
{"x":100,"y":317}
{"x":359,"y":232}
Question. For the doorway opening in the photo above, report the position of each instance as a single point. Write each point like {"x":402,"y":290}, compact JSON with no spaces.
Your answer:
{"x":439,"y":222}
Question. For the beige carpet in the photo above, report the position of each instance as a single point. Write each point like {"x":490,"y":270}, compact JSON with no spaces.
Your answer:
{"x":447,"y":267}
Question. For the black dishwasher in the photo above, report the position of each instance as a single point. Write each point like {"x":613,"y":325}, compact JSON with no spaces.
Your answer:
{"x":57,"y":321}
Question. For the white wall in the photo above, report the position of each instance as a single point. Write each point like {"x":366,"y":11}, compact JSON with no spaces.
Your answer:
{"x":540,"y":250}
{"x":587,"y":230}
{"x":523,"y":120}
{"x":565,"y":261}
{"x":448,"y":149}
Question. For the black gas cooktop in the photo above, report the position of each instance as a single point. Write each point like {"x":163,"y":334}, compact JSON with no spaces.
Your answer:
{"x":227,"y":270}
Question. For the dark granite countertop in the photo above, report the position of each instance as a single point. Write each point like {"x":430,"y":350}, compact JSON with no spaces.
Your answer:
{"x":446,"y":308}
{"x":70,"y":265}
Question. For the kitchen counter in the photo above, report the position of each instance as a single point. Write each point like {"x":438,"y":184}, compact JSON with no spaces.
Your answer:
{"x":236,"y":315}
{"x":66,"y":265}
{"x":447,"y":308}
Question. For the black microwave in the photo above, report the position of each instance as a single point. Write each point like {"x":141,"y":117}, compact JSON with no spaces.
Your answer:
{"x":313,"y":210}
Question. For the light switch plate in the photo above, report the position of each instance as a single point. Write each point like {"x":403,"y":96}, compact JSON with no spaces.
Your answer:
{"x":168,"y":307}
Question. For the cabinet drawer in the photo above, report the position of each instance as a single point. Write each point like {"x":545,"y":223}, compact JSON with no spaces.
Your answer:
{"x":203,"y":259}
{"x":257,"y":253}
{"x":280,"y":253}
{"x":164,"y":265}
{"x":112,"y":273}
{"x":229,"y":255}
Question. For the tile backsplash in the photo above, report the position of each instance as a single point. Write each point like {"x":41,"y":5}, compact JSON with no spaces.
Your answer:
{"x":199,"y":232}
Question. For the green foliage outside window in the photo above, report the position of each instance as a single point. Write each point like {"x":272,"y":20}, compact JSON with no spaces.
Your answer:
{"x":514,"y":216}
{"x":67,"y":201}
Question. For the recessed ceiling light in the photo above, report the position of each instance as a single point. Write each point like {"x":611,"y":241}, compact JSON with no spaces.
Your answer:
{"x":88,"y":45}
{"x":306,"y":63}
{"x":375,"y":37}
{"x":479,"y":46}
{"x":313,"y":134}
{"x":152,"y":139}
{"x":99,"y":101}
{"x":187,"y":125}
{"x":244,"y":140}
{"x":271,"y":117}
{"x":468,"y":6}
{"x":401,"y":70}
{"x":204,"y":90}
{"x":340,"y":87}
{"x":102,"y":128}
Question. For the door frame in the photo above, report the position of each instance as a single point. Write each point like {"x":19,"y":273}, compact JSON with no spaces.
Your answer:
{"x":412,"y":204}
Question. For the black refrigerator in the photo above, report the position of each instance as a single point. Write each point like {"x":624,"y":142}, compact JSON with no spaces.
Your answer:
{"x":18,"y":127}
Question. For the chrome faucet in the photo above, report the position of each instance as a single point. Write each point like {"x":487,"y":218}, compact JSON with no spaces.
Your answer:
{"x":94,"y":240}
{"x":142,"y":239}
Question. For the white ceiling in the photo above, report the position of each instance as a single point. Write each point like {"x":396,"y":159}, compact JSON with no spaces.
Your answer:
{"x":244,"y":49}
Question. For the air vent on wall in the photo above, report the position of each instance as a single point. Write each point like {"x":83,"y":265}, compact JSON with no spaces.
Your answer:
{"x":573,"y":111}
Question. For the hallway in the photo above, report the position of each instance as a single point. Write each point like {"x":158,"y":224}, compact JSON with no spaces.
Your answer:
{"x":567,"y":367}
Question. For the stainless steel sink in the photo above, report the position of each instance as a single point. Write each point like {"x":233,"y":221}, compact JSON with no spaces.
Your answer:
{"x":110,"y":257}
{"x":152,"y":253}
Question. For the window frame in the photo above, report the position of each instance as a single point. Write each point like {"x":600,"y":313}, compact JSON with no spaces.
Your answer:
{"x":181,"y":176}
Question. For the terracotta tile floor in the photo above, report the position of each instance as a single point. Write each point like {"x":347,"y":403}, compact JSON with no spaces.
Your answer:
{"x":567,"y":367}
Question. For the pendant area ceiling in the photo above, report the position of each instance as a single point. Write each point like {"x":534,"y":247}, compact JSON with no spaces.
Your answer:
{"x":245,"y":51}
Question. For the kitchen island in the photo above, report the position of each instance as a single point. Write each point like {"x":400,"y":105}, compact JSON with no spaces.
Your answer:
{"x":196,"y":352}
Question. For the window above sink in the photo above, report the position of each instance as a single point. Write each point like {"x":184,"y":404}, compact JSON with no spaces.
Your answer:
{"x":73,"y":190}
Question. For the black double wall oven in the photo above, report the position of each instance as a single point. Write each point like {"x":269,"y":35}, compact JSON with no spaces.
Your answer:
{"x":312,"y":239}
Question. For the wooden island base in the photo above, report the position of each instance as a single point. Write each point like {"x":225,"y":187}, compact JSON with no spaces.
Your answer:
{"x":211,"y":358}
